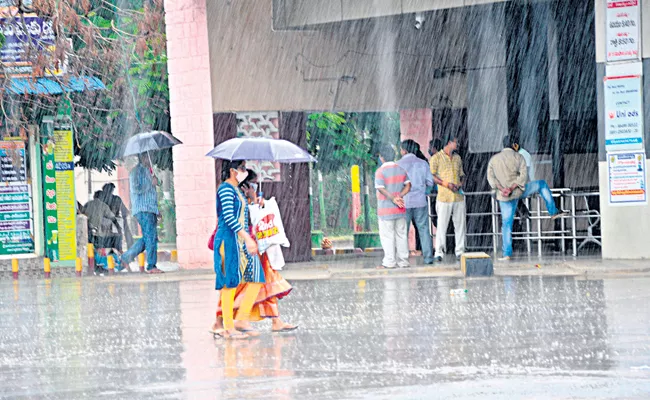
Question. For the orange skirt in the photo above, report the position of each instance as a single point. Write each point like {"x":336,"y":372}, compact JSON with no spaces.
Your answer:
{"x":266,"y":305}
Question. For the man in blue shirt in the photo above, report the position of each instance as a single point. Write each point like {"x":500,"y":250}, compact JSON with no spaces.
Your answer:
{"x":417,"y":210}
{"x":144,"y":206}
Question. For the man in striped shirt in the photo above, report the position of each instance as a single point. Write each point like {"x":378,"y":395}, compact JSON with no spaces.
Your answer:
{"x":144,"y":202}
{"x":392,"y":185}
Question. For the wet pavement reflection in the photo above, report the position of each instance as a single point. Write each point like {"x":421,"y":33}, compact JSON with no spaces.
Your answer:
{"x":528,"y":337}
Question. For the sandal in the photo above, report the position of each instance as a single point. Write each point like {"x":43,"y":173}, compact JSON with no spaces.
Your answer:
{"x":155,"y":270}
{"x":233,"y":336}
{"x":216,"y":332}
{"x":249,"y":332}
{"x":286,"y":328}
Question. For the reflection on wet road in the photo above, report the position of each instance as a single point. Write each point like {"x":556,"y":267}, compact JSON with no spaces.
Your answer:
{"x":529,"y":337}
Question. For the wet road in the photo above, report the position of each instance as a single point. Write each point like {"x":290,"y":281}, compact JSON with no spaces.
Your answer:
{"x":530,"y":337}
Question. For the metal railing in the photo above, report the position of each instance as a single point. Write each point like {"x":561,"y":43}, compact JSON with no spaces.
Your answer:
{"x":535,"y":232}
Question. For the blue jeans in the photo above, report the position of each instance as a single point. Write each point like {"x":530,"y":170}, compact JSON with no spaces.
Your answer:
{"x":420,"y":218}
{"x":541,"y":188}
{"x":149,"y":241}
{"x":508,"y":209}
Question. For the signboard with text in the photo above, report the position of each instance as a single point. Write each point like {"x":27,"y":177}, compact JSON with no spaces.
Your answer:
{"x":623,"y":112}
{"x":59,"y":193}
{"x":627,"y":179}
{"x":16,"y":214}
{"x":28,"y":36}
{"x":623,"y":30}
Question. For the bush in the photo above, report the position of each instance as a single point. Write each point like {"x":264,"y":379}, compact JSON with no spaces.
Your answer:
{"x":374,"y":221}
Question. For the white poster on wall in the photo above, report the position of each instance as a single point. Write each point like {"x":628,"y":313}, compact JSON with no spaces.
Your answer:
{"x":627,"y":179}
{"x":623,"y":30}
{"x":623,"y":108}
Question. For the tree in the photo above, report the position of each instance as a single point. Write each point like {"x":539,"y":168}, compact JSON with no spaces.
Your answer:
{"x":341,"y":140}
{"x":336,"y":142}
{"x":120,"y":42}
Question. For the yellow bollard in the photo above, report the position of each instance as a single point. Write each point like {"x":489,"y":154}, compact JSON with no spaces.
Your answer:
{"x":47,"y":267}
{"x":111,"y":264}
{"x":14,"y":267}
{"x":141,"y":261}
{"x":78,"y":266}
{"x":174,"y":256}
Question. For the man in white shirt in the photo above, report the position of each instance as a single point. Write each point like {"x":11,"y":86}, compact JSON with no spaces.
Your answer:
{"x":522,"y":210}
{"x":529,"y":163}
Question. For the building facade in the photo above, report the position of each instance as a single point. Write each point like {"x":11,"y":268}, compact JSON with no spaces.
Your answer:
{"x":478,"y":68}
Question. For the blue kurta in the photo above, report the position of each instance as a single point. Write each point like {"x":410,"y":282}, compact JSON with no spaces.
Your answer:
{"x":232,"y":262}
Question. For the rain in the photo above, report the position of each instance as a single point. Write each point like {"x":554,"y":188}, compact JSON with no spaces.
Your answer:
{"x":341,"y":199}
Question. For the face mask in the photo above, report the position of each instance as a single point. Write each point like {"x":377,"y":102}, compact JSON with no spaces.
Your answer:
{"x":254,"y":186}
{"x":241,"y":175}
{"x":379,"y":161}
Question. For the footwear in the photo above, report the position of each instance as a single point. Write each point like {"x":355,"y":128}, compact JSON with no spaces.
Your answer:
{"x":438,"y":259}
{"x":405,"y":266}
{"x":286,"y":328}
{"x":249,"y":332}
{"x":155,"y":270}
{"x":216,"y":332}
{"x":504,"y":259}
{"x":233,"y":336}
{"x":459,"y":257}
{"x":385,"y":267}
{"x":560,"y":215}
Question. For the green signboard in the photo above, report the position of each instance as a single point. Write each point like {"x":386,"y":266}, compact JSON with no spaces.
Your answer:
{"x":58,"y":190}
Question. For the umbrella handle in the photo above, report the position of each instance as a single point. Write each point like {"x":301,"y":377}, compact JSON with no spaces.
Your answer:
{"x":151,"y":165}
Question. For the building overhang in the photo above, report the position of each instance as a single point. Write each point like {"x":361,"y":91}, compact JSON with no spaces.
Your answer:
{"x":299,"y":14}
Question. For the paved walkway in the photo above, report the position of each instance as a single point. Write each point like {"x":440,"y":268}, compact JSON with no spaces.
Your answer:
{"x":376,"y":339}
{"x":365,"y":268}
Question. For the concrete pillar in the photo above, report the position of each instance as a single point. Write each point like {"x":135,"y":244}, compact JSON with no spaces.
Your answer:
{"x":624,"y":229}
{"x":191,"y":121}
{"x":416,"y":124}
{"x":487,"y":81}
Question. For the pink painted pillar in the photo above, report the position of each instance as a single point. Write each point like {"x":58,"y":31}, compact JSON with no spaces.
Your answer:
{"x":191,"y":121}
{"x":417,"y":125}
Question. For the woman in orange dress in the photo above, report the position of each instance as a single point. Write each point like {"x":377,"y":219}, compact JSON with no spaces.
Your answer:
{"x":274,"y":288}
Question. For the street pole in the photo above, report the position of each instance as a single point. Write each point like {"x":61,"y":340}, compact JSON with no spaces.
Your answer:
{"x":311,"y":198}
{"x":366,"y":199}
{"x":321,"y":203}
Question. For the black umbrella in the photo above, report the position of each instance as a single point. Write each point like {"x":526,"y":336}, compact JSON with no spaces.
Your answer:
{"x":149,"y":141}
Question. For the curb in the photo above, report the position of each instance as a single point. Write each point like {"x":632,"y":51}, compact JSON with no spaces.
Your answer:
{"x":339,"y":252}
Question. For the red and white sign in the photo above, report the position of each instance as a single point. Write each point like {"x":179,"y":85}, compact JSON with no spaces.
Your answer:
{"x":623,"y":30}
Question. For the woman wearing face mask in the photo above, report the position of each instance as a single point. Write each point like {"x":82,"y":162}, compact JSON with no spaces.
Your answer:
{"x":236,"y":261}
{"x":274,"y":288}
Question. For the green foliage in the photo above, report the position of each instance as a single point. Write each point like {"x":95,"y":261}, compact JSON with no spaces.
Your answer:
{"x":341,"y":140}
{"x":336,"y":142}
{"x":374,"y":220}
{"x":380,"y":128}
{"x":123,"y":44}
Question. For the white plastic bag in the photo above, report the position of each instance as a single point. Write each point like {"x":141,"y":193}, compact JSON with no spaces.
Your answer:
{"x":267,"y":225}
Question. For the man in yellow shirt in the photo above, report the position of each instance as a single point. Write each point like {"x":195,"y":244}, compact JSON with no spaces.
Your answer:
{"x":447,"y":169}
